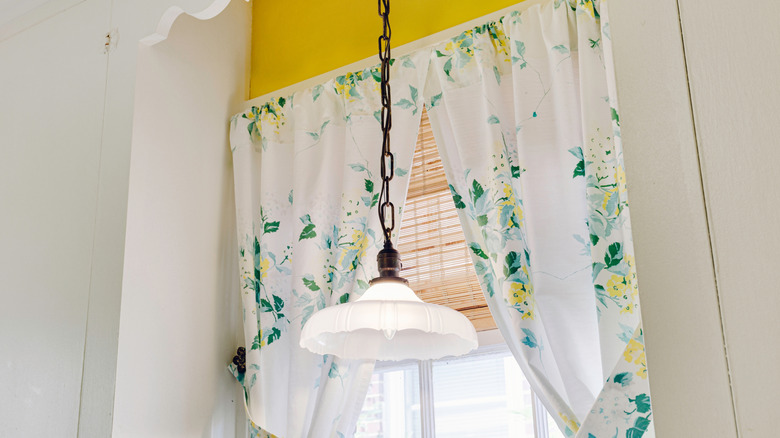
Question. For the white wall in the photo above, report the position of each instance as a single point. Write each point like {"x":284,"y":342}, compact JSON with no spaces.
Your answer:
{"x":679,"y":300}
{"x":180,"y":317}
{"x":699,"y":109}
{"x":50,"y":144}
{"x":733,"y":58}
{"x":66,"y":110}
{"x":52,"y":89}
{"x":131,"y":20}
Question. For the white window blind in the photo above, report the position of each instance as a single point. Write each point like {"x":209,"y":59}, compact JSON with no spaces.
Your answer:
{"x":482,"y":396}
{"x":436,"y":260}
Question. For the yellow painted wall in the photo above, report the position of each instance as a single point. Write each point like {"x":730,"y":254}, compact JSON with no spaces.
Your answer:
{"x":293,"y":40}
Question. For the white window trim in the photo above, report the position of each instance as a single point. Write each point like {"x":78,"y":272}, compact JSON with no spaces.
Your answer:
{"x":490,"y":342}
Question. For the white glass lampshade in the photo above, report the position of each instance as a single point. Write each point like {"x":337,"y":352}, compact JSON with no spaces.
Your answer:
{"x":389,"y":322}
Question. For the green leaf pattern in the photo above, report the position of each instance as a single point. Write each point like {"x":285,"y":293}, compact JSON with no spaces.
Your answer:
{"x":487,"y":190}
{"x":301,"y":255}
{"x":298,"y":255}
{"x":267,"y":120}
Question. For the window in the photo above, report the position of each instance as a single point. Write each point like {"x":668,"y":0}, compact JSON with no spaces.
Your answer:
{"x":481,"y":395}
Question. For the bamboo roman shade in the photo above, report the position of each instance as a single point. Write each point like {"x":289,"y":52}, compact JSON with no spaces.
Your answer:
{"x":436,"y":260}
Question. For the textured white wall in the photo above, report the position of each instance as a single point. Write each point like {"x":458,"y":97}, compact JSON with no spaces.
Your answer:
{"x":66,"y":111}
{"x":733,"y":57}
{"x":674,"y":262}
{"x":52,"y":89}
{"x":699,"y":109}
{"x":180,"y":318}
{"x":131,"y":20}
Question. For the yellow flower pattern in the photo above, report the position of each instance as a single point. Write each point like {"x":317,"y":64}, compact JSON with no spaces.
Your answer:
{"x":354,"y":250}
{"x":332,"y":270}
{"x":264,"y":265}
{"x":620,"y":177}
{"x":608,"y":200}
{"x":624,"y":290}
{"x":635,"y":353}
{"x":616,"y":286}
{"x":488,"y":197}
{"x":349,"y":85}
{"x":459,"y":53}
{"x":256,"y":431}
{"x":266,"y":120}
{"x":522,"y":298}
{"x":500,"y":41}
{"x":509,"y":201}
{"x":570,"y":423}
{"x":587,"y":7}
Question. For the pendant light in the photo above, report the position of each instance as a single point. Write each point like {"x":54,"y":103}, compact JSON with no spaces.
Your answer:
{"x":389,"y":322}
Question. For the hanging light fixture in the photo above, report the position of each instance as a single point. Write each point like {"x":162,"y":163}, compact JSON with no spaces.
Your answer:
{"x":389,"y":322}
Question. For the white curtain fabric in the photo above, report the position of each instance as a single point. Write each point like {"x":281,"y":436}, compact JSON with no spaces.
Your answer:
{"x":307,"y":184}
{"x":524,"y":113}
{"x":526,"y":120}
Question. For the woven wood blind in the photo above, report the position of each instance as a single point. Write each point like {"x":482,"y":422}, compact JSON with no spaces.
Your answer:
{"x":436,"y":260}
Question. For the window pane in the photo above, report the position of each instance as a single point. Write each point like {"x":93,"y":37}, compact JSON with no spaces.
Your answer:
{"x":482,"y":396}
{"x":392,"y":406}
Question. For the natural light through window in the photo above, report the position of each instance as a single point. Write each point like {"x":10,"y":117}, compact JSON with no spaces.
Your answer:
{"x":480,"y":395}
{"x":392,"y":406}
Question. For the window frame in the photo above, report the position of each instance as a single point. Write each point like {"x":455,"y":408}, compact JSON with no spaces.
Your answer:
{"x":490,"y":342}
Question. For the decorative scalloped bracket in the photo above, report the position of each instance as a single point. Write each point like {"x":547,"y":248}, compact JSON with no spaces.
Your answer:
{"x":170,"y":16}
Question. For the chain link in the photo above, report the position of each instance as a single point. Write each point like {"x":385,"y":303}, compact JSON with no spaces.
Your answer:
{"x":386,"y":119}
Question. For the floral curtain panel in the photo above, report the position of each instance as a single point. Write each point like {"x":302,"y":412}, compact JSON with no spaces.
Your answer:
{"x":527,"y":124}
{"x":307,"y":186}
{"x":525,"y":116}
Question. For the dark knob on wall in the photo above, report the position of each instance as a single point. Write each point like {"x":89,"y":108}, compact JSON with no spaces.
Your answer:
{"x":239,"y":360}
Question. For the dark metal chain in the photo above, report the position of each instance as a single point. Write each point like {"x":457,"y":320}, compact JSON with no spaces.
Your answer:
{"x":386,"y":120}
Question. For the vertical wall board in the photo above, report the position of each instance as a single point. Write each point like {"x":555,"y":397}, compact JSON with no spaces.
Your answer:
{"x":52,"y":79}
{"x":685,"y":352}
{"x":131,"y":20}
{"x":180,"y":319}
{"x":733,"y":54}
